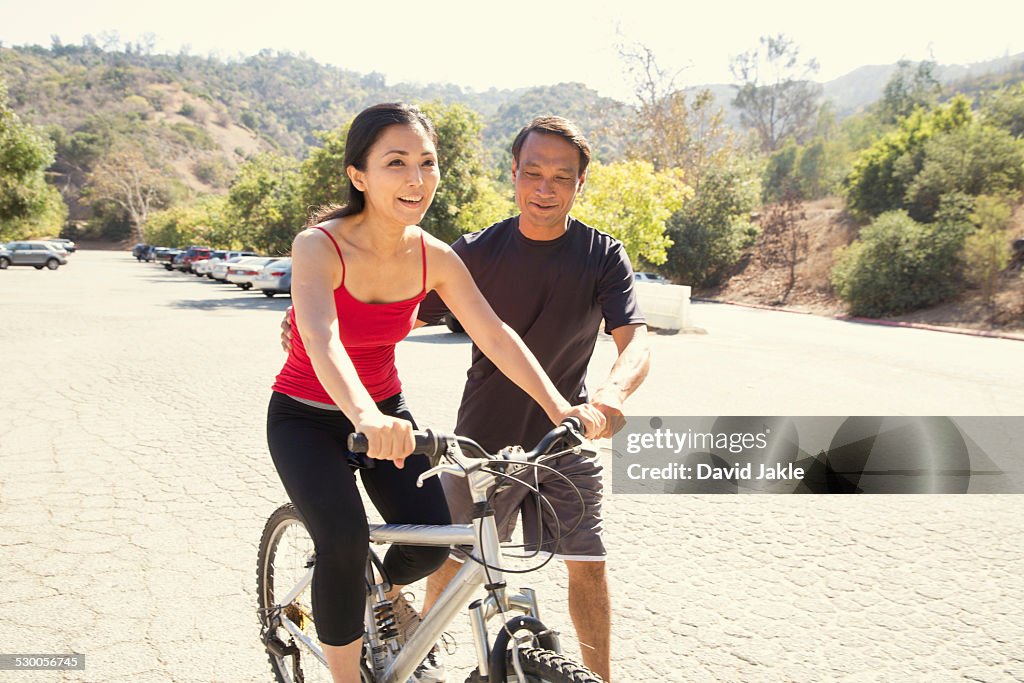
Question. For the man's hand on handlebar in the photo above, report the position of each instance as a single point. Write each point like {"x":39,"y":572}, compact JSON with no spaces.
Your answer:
{"x":611,"y":407}
{"x":592,"y":418}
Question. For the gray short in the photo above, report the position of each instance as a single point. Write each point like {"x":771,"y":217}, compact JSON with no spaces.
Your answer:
{"x":585,"y":543}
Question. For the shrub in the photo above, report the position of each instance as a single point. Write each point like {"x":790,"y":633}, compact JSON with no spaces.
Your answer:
{"x":711,"y":231}
{"x":881,"y":174}
{"x":898,"y":265}
{"x":213,"y":171}
{"x":192,"y":137}
{"x":974,"y":160}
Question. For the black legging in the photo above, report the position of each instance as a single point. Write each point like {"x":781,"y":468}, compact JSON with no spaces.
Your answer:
{"x":309,"y":449}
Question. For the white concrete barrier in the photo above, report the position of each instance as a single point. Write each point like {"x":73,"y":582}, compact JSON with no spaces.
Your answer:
{"x":665,"y":306}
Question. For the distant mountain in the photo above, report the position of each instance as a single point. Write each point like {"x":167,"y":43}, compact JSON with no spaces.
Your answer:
{"x":854,"y":91}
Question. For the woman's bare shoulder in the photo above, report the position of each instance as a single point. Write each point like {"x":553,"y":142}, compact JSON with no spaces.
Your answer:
{"x":434,"y":245}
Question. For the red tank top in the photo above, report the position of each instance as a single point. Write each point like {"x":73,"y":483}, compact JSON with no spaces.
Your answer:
{"x":369,"y":333}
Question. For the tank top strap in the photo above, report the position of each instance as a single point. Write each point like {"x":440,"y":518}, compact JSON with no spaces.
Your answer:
{"x":423,"y":249}
{"x":337,"y":249}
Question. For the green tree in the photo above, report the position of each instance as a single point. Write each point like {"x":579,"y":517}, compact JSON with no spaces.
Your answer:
{"x":672,"y":130}
{"x":780,"y":177}
{"x":460,"y":158}
{"x":710,"y":232}
{"x":898,"y":265}
{"x":264,"y":201}
{"x":1005,"y":109}
{"x":987,"y":250}
{"x":881,"y":174}
{"x":910,"y":87}
{"x":202,"y":221}
{"x":128,"y":178}
{"x":323,"y":178}
{"x":490,"y":204}
{"x":28,"y":205}
{"x":632,"y":202}
{"x":775,"y":95}
{"x":972,"y":160}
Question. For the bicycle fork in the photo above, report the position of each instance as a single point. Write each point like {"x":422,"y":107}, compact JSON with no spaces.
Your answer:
{"x":491,"y":658}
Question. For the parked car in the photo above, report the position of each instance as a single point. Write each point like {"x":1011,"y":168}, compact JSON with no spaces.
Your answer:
{"x":246,"y":270}
{"x":206,"y":268}
{"x":166,"y":257}
{"x":275,"y":278}
{"x":139,"y":250}
{"x":36,"y":253}
{"x":199,"y":267}
{"x":190,"y":256}
{"x":64,"y":243}
{"x":219,"y":271}
{"x":650,"y":277}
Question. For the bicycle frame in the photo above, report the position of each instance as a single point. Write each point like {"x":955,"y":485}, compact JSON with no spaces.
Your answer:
{"x":482,"y":535}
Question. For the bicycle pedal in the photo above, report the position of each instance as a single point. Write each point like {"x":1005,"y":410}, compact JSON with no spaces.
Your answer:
{"x":279,"y":648}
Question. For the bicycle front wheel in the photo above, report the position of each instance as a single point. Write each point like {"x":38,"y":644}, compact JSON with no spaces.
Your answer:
{"x":285,"y":556}
{"x":543,"y":666}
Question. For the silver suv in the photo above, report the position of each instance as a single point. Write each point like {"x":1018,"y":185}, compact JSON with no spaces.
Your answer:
{"x":32,"y":253}
{"x":650,"y":277}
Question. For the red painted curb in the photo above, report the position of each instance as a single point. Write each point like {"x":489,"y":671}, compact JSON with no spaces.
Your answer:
{"x":876,"y":321}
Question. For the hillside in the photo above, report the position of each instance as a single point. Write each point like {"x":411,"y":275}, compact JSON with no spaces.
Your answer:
{"x":201,"y":117}
{"x":828,"y":227}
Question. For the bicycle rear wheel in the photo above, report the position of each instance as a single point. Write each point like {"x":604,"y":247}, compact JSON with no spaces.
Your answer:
{"x":543,"y":666}
{"x":285,"y":555}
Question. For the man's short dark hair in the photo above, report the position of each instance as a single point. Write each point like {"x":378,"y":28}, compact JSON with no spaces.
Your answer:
{"x":555,"y":125}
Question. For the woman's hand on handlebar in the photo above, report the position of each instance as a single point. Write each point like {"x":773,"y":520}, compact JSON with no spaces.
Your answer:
{"x":388,"y":438}
{"x":592,"y":418}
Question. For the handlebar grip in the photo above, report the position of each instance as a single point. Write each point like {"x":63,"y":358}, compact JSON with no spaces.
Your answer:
{"x":575,"y":423}
{"x":357,"y":442}
{"x":427,"y":443}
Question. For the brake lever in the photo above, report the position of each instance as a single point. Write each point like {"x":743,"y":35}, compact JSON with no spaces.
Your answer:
{"x":455,"y":470}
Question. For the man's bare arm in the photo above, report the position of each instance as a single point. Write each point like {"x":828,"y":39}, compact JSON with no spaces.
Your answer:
{"x":627,"y":374}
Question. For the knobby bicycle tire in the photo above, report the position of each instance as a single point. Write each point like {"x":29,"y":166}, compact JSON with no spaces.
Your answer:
{"x":543,"y":666}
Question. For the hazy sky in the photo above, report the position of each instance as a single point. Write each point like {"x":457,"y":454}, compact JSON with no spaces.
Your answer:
{"x":506,"y":45}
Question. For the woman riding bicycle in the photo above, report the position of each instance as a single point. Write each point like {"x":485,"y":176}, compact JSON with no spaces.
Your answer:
{"x":358,"y":275}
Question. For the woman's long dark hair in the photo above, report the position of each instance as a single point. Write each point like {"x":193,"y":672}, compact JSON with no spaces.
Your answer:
{"x":365,"y":130}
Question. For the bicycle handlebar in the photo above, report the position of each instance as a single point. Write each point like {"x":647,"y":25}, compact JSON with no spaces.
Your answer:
{"x":434,"y":445}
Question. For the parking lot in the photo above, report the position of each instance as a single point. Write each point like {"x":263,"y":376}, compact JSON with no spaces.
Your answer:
{"x":136,"y":480}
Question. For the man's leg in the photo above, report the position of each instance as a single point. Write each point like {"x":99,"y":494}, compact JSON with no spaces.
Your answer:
{"x":576,"y":537}
{"x":438,"y":581}
{"x":591,"y":612}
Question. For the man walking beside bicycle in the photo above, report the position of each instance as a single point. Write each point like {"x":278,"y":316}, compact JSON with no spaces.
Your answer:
{"x":553,"y":280}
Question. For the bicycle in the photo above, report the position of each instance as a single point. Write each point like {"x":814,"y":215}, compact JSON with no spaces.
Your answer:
{"x":523,"y":650}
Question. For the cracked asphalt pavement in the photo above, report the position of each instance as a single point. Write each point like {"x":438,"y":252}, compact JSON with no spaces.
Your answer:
{"x":135,"y":481}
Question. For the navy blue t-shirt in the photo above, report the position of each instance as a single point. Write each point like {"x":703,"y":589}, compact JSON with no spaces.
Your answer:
{"x":554,"y":294}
